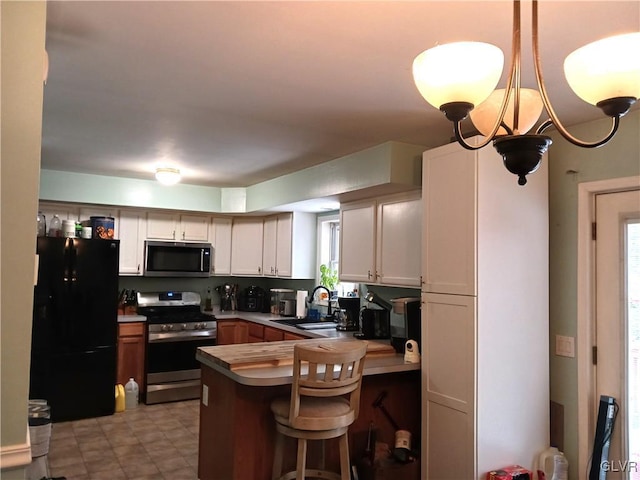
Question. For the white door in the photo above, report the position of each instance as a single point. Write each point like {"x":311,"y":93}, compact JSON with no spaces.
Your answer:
{"x":618,"y":324}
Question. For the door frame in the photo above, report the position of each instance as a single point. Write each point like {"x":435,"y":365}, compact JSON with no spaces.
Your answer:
{"x":585,"y":296}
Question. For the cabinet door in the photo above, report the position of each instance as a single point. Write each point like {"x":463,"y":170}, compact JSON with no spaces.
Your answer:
{"x":132,"y":232}
{"x":220,"y":238}
{"x":194,"y":228}
{"x":284,"y":237}
{"x":246,"y":246}
{"x":399,"y":238}
{"x":269,"y":246}
{"x":162,"y":226}
{"x":293,"y":336}
{"x":273,"y":334}
{"x":131,"y":352}
{"x":357,"y":242}
{"x":255,"y":332}
{"x":448,"y":385}
{"x":449,"y":220}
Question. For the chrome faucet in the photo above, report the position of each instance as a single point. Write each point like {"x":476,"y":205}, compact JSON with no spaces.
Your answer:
{"x":328,"y":297}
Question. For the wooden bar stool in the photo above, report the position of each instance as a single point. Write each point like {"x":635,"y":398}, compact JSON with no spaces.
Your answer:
{"x":325,"y":400}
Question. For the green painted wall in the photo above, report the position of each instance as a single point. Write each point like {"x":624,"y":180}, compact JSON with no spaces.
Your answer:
{"x":619,"y":158}
{"x":391,"y":163}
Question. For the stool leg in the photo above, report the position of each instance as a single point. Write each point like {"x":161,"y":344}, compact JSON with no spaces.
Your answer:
{"x":344,"y":458}
{"x":301,"y":464}
{"x":277,"y":457}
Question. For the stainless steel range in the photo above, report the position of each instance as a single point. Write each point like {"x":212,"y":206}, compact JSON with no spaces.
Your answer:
{"x":175,"y":329}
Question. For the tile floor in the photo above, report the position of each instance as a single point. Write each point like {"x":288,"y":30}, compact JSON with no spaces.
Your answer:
{"x":150,"y":442}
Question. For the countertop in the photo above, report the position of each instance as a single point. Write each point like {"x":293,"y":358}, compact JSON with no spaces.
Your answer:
{"x":131,"y":318}
{"x":276,"y":370}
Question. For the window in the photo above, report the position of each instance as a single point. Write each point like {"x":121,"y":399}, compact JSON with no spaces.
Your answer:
{"x":329,"y":249}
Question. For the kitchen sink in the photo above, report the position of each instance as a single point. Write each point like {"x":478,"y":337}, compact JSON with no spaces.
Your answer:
{"x":307,"y":323}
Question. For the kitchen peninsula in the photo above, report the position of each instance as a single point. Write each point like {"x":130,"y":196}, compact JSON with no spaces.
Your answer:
{"x":237,"y":430}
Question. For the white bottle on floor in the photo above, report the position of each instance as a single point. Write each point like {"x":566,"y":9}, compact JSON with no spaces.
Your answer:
{"x":131,"y":393}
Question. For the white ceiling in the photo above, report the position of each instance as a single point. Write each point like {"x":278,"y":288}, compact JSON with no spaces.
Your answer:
{"x":234,"y":93}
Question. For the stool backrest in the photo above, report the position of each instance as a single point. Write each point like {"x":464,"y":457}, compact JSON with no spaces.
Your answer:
{"x":333,"y":370}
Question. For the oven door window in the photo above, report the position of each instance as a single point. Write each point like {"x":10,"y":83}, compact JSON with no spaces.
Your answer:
{"x":174,"y":356}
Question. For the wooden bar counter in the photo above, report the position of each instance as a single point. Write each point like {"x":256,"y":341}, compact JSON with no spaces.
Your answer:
{"x":237,"y":430}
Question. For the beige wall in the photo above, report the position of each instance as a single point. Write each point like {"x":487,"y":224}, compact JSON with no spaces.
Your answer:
{"x":619,"y":158}
{"x":23,"y":29}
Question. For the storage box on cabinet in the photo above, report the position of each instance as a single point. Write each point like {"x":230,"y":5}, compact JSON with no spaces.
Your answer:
{"x":380,"y":240}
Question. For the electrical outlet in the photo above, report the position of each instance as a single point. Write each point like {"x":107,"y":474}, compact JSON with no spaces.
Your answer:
{"x":565,"y":346}
{"x":205,"y":395}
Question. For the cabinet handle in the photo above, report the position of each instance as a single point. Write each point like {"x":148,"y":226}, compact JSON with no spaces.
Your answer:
{"x":138,"y":268}
{"x":259,"y":269}
{"x":183,"y":235}
{"x":369,"y":274}
{"x":174,"y":234}
{"x":378,"y":276}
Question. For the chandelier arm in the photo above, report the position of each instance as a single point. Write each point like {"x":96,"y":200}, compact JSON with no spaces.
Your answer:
{"x":553,"y":118}
{"x":514,"y":72}
{"x":517,"y":61}
{"x":460,"y":139}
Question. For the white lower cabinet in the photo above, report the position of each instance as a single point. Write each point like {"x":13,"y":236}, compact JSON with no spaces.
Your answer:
{"x":132,"y":235}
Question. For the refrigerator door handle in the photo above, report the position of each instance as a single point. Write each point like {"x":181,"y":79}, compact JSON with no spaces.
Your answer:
{"x":66,"y":275}
{"x":72,"y":263}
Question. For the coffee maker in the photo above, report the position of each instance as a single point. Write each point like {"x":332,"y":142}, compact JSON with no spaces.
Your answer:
{"x":347,"y":316}
{"x":405,"y":321}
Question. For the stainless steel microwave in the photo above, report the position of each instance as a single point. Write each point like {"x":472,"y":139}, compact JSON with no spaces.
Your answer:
{"x":177,"y":259}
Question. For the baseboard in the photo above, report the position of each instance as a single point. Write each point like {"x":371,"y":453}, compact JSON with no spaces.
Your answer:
{"x":12,"y":456}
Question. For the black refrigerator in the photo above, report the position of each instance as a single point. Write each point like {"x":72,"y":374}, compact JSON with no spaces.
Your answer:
{"x":75,"y":322}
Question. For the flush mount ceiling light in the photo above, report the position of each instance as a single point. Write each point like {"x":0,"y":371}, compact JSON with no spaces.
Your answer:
{"x":167,"y":175}
{"x":458,"y":77}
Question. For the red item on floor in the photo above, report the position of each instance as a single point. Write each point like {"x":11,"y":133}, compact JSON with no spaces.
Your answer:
{"x":512,"y":472}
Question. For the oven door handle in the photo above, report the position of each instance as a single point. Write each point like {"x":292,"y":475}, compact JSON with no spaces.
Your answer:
{"x":177,"y":337}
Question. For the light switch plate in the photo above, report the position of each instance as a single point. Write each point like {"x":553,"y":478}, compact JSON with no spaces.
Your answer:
{"x":565,"y":346}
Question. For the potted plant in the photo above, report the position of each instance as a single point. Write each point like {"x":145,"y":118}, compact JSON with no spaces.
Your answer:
{"x":329,"y":279}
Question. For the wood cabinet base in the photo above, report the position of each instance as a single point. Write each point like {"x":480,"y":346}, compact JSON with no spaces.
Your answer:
{"x":237,"y":430}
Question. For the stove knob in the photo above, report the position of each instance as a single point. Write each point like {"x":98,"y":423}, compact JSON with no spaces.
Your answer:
{"x":184,"y":326}
{"x":170,"y":327}
{"x":199,"y":326}
{"x":164,"y":328}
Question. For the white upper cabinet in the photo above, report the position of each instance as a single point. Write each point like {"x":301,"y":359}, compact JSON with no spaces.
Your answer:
{"x":399,"y":241}
{"x":220,"y":238}
{"x":380,"y":240}
{"x":194,"y":228}
{"x":449,"y":198}
{"x":289,"y":245}
{"x":132,"y":234}
{"x":358,"y":242}
{"x":170,"y":226}
{"x":246,"y":246}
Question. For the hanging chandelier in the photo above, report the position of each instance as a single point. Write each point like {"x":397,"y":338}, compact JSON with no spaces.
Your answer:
{"x":460,"y":78}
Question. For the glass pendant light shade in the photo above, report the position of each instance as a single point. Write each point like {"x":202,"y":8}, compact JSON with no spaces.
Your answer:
{"x":167,"y":175}
{"x":458,"y":72}
{"x":605,"y":69}
{"x":484,"y":115}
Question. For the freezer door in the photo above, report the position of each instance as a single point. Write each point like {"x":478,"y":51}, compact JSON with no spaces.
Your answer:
{"x":76,"y":385}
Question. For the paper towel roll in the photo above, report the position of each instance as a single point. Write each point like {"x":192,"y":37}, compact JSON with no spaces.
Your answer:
{"x":301,"y":303}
